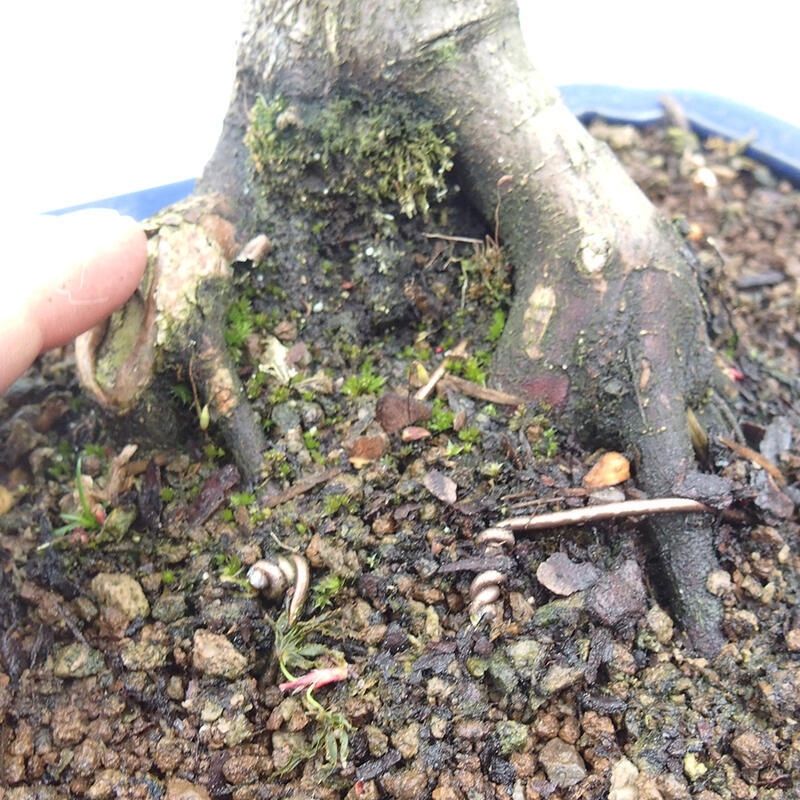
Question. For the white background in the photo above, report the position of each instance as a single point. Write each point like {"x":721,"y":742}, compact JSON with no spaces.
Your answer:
{"x":102,"y":98}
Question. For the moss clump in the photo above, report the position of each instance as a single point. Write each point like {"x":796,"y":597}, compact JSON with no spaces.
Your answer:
{"x":349,"y":151}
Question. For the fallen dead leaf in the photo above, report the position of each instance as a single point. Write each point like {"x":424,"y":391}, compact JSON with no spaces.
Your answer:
{"x":753,"y":455}
{"x":440,"y":486}
{"x":413,"y":433}
{"x":366,"y":449}
{"x":6,"y":500}
{"x":611,"y":469}
{"x":395,"y":412}
{"x":564,"y":577}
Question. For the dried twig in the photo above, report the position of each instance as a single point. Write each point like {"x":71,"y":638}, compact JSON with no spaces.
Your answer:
{"x":472,"y":389}
{"x":459,"y":351}
{"x":445,"y":238}
{"x":299,"y":488}
{"x":462,"y":385}
{"x":756,"y":457}
{"x":626,"y":508}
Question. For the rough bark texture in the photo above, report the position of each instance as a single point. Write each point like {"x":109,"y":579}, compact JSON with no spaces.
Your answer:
{"x":607,"y":323}
{"x":173,"y":325}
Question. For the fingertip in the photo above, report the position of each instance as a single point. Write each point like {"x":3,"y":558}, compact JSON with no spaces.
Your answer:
{"x":102,"y":256}
{"x":64,"y":275}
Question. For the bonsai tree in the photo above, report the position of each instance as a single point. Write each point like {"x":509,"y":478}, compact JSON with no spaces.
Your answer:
{"x":606,"y":326}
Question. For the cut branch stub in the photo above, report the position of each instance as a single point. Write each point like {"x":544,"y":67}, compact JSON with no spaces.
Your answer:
{"x":171,"y":330}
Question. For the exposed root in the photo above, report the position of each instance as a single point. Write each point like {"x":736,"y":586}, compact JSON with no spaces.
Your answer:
{"x":626,"y":508}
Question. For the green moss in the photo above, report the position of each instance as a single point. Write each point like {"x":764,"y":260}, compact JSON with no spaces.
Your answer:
{"x":276,"y":465}
{"x":124,"y":329}
{"x":325,"y":591}
{"x":539,"y":431}
{"x":336,"y":502}
{"x":241,"y":499}
{"x":446,"y":51}
{"x":311,"y":440}
{"x":491,"y":469}
{"x":512,"y":736}
{"x":367,"y":381}
{"x":497,"y":326}
{"x":212,"y":452}
{"x":280,"y":394}
{"x":441,"y":417}
{"x":475,"y":368}
{"x":485,"y":275}
{"x":471,"y":435}
{"x":167,"y":494}
{"x":352,"y":151}
{"x":241,"y":322}
{"x":182,"y":392}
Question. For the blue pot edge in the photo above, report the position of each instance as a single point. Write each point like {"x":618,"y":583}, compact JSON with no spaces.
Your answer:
{"x":774,"y":142}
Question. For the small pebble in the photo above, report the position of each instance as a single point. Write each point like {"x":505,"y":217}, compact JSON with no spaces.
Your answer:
{"x":122,"y":593}
{"x":718,"y":582}
{"x":180,"y":789}
{"x":753,"y":750}
{"x":661,"y":624}
{"x":77,"y":660}
{"x":623,"y":781}
{"x":562,"y":763}
{"x":214,"y":655}
{"x":406,"y":740}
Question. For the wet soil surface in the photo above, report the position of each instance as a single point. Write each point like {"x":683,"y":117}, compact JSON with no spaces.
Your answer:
{"x":138,"y":662}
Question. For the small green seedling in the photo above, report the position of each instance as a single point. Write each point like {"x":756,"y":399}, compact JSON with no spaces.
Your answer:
{"x":366,"y":382}
{"x":336,"y":502}
{"x":293,"y":651}
{"x":232,"y":570}
{"x":85,"y":518}
{"x":441,"y":417}
{"x":325,"y":590}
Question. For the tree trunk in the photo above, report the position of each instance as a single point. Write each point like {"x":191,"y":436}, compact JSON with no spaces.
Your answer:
{"x":607,"y":325}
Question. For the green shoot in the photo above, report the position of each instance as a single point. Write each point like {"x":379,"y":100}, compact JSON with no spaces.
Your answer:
{"x":241,"y":499}
{"x":292,"y":650}
{"x":366,"y":382}
{"x":232,"y":570}
{"x":85,"y":517}
{"x":325,"y":590}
